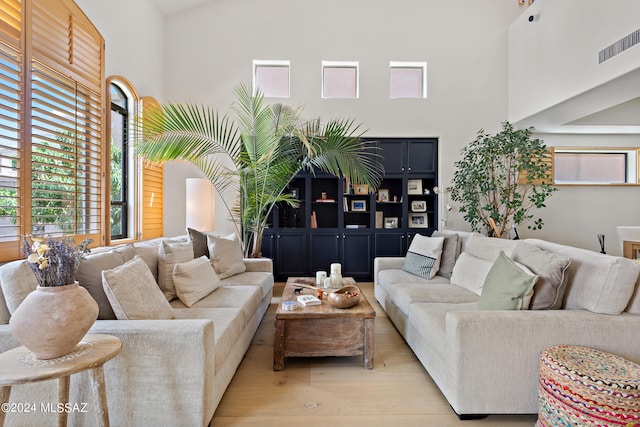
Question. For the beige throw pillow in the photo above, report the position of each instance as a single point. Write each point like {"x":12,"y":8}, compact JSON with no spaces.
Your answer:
{"x":133,"y":293}
{"x":226,"y":255}
{"x":17,"y":281}
{"x":195,"y":280}
{"x":170,"y":254}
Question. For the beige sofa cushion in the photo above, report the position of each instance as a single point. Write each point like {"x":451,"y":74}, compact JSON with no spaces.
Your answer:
{"x":226,"y":255}
{"x":170,"y":254}
{"x":406,"y":294}
{"x":133,"y":293}
{"x":195,"y":280}
{"x":598,"y":283}
{"x":228,"y":324}
{"x":246,"y":298}
{"x":251,"y":278}
{"x":17,"y":281}
{"x":489,"y":247}
{"x":552,"y":277}
{"x":90,"y":274}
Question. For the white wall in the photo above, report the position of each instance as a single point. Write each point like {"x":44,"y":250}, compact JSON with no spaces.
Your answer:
{"x":555,"y":57}
{"x":134,"y":41}
{"x":135,"y":49}
{"x":575,"y":215}
{"x":210,"y":50}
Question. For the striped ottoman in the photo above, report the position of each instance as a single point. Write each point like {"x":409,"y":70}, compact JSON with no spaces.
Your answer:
{"x":580,"y":386}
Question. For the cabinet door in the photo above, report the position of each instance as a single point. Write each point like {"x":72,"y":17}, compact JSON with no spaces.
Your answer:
{"x":291,"y":254}
{"x":393,"y":153}
{"x":268,"y":245}
{"x":325,"y":250}
{"x":421,"y":157}
{"x":391,"y":244}
{"x":356,"y":255}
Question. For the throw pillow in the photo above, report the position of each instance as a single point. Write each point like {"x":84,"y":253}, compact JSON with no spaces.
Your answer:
{"x":226,"y":255}
{"x":170,"y":254}
{"x":470,"y":272}
{"x":423,"y":256}
{"x":489,"y":247}
{"x":17,"y":281}
{"x":195,"y":280}
{"x":199,"y":240}
{"x":89,"y":275}
{"x":506,"y":285}
{"x":450,"y":252}
{"x":551,"y":269}
{"x":133,"y":293}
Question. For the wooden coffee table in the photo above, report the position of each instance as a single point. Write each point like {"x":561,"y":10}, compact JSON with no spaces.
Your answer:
{"x":322,"y":330}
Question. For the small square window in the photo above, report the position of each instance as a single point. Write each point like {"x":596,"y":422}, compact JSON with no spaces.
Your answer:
{"x":271,"y":78}
{"x":340,"y":79}
{"x":408,"y":79}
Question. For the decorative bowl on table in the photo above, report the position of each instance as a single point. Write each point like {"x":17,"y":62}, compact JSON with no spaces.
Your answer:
{"x":345,"y":297}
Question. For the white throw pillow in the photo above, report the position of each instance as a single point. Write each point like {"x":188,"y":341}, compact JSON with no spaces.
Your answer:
{"x":226,"y":255}
{"x":133,"y":293}
{"x":470,"y":272}
{"x":195,"y":280}
{"x":423,"y":256}
{"x":170,"y":254}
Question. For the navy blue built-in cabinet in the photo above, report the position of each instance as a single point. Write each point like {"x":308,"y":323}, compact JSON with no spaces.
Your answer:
{"x":337,"y":222}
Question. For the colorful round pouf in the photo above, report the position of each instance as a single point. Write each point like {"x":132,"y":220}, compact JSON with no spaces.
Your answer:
{"x":580,"y":386}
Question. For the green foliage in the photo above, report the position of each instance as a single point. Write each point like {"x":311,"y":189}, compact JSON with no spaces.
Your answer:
{"x":502,"y":177}
{"x":260,"y":156}
{"x":116,"y":188}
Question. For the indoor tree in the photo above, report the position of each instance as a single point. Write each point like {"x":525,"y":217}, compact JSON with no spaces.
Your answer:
{"x":501,"y":178}
{"x":257,"y":156}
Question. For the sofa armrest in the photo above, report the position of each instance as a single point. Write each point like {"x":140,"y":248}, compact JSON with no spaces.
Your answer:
{"x":485,"y":348}
{"x":386,"y":263}
{"x":259,"y":264}
{"x":164,"y":374}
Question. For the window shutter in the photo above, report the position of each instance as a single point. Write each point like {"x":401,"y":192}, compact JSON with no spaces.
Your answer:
{"x":10,"y":21}
{"x":11,"y":154}
{"x":152,"y":188}
{"x":51,"y":123}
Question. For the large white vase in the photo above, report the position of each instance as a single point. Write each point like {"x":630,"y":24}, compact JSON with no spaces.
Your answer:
{"x":51,"y":321}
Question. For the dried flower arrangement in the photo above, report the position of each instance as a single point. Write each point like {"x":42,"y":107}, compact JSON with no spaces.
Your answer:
{"x":55,"y":261}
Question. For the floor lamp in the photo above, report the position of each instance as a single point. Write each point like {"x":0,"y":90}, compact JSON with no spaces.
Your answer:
{"x":200,"y":204}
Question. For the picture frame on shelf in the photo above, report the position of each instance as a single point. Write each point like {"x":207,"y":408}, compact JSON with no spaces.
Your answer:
{"x":418,"y":206}
{"x":383,"y":195}
{"x":418,"y":220}
{"x":295,"y":193}
{"x":414,"y":186}
{"x":361,"y":189}
{"x":358,"y":206}
{"x":391,"y":222}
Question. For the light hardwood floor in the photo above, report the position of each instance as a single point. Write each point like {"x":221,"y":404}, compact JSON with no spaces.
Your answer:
{"x":337,"y":391}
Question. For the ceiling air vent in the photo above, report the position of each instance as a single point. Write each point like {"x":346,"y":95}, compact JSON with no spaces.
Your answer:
{"x":618,"y":47}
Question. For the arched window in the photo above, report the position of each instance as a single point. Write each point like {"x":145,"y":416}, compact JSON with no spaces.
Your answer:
{"x":118,"y":163}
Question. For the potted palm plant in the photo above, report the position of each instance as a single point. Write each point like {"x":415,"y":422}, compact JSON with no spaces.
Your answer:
{"x":259,"y":156}
{"x":52,"y":320}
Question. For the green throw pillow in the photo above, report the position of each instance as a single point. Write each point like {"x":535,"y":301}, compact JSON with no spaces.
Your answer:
{"x":505,"y":285}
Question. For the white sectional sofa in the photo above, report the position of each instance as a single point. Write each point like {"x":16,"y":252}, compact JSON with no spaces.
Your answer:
{"x":170,"y":372}
{"x":486,"y":361}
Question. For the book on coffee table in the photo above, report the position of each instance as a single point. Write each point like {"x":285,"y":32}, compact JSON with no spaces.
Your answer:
{"x":307,"y":300}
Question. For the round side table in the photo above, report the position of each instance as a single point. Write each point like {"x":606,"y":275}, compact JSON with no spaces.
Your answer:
{"x":19,"y":366}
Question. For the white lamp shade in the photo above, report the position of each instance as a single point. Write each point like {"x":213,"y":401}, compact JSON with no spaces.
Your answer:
{"x":200,"y":204}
